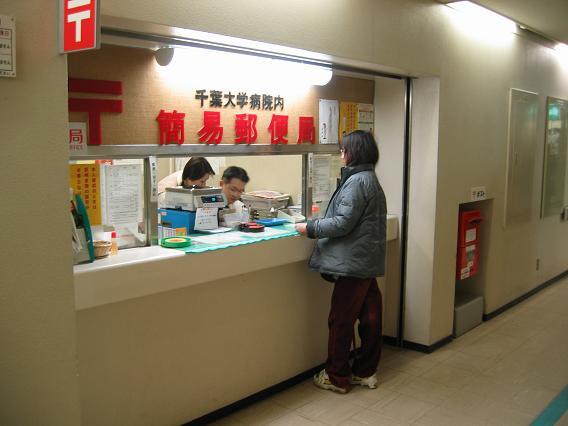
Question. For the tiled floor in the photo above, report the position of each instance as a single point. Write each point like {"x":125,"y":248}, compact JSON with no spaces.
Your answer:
{"x":504,"y":372}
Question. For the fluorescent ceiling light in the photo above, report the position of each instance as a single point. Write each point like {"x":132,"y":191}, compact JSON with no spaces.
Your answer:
{"x":484,"y":19}
{"x":562,"y":49}
{"x":200,"y":66}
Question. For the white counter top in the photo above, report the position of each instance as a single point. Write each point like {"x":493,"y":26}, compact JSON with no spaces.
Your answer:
{"x":143,"y":271}
{"x":129,"y":257}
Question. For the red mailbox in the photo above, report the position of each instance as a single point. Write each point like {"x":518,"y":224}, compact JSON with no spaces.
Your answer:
{"x":468,"y":244}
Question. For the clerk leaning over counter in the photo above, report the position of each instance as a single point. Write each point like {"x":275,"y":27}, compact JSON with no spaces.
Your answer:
{"x":350,"y":251}
{"x":233,"y":183}
{"x":195,"y":173}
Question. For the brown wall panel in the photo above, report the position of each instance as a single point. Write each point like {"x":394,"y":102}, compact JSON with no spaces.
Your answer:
{"x":146,"y":91}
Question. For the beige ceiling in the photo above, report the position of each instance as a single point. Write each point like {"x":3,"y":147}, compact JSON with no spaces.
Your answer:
{"x":547,"y":17}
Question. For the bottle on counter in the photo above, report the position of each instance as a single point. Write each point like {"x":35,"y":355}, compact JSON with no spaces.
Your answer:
{"x":113,"y":244}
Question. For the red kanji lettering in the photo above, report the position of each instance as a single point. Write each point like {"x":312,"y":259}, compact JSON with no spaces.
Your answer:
{"x":171,"y":127}
{"x":76,"y":136}
{"x":212,"y":131}
{"x":306,"y":130}
{"x":278,"y":129}
{"x":245,"y":128}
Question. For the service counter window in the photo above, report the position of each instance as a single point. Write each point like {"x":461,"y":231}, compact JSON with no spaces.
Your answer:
{"x":239,"y":180}
{"x":136,"y":120}
{"x":120,"y":195}
{"x":268,"y":172}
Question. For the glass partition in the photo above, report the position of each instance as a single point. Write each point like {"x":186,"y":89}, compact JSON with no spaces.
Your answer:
{"x":555,"y":185}
{"x":113,"y":193}
{"x":267,"y":172}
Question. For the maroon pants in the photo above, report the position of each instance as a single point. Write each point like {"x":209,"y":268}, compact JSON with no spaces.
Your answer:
{"x":352,"y":299}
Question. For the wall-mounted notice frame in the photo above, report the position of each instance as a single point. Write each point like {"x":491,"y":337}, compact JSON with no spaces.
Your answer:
{"x":355,"y":116}
{"x":7,"y":46}
{"x":554,"y":182}
{"x":328,"y":121}
{"x":521,"y":152}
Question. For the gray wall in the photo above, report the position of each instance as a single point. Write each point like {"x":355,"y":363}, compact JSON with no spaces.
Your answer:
{"x":38,"y":359}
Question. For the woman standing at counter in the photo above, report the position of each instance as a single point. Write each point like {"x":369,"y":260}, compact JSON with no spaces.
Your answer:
{"x":350,"y":252}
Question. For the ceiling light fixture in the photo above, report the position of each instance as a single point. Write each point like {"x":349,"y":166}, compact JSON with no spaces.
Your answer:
{"x":484,"y":19}
{"x":562,"y":49}
{"x":164,"y":55}
{"x":198,"y":65}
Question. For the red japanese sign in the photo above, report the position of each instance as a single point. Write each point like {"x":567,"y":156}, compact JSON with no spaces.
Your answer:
{"x":212,"y":131}
{"x":278,"y":129}
{"x":306,"y":130}
{"x":171,"y":127}
{"x":245,"y":128}
{"x":78,"y":25}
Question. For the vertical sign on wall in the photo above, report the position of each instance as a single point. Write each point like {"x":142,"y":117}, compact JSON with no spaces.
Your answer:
{"x":79,"y":27}
{"x":347,"y":118}
{"x":7,"y":46}
{"x":85,"y":181}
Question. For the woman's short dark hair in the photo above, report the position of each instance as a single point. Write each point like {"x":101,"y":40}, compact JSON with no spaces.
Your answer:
{"x":359,"y":147}
{"x":235,"y":172}
{"x":196,"y":168}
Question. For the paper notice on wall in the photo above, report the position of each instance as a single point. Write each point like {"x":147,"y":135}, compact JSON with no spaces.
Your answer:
{"x":356,"y":116}
{"x":320,"y":183}
{"x":365,"y":117}
{"x":122,"y":194}
{"x":7,"y":46}
{"x":85,"y":181}
{"x":347,"y":117}
{"x":328,"y":121}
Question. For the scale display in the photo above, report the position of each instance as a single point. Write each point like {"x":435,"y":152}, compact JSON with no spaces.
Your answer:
{"x":205,"y":199}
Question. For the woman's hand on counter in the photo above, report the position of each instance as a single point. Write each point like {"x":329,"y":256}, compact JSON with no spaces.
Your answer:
{"x":301,"y":228}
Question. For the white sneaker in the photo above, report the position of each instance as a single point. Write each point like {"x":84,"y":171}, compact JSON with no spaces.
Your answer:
{"x":370,"y":382}
{"x":321,"y":380}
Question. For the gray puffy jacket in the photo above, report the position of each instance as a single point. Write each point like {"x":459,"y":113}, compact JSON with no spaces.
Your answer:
{"x":352,"y":235}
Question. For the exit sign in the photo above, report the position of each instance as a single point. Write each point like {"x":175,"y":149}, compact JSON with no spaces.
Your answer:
{"x":79,"y":27}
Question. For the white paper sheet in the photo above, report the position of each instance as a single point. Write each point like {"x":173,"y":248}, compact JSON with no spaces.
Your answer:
{"x":328,"y":121}
{"x":321,"y":169}
{"x":206,"y":218}
{"x":122,"y":193}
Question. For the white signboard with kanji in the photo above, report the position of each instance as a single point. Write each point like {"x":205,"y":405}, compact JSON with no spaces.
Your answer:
{"x":77,"y":136}
{"x":7,"y":46}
